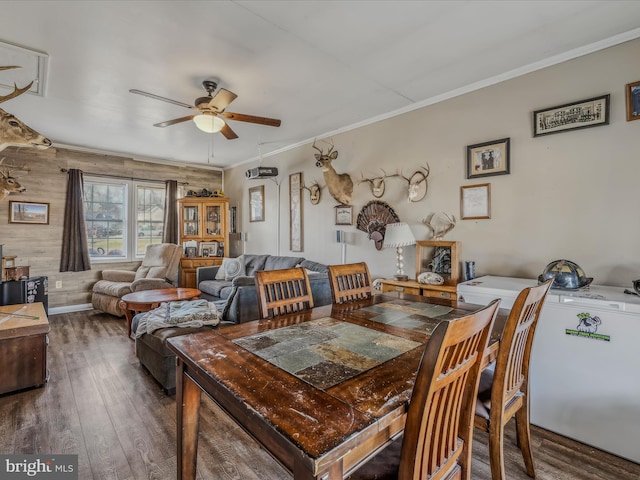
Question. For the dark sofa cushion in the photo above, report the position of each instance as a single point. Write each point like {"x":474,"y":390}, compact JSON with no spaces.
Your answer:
{"x":277,"y":262}
{"x":314,"y":266}
{"x":253,"y":263}
{"x":216,"y":287}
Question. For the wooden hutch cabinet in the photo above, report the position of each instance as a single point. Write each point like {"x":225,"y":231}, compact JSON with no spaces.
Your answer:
{"x":204,"y":220}
{"x":427,"y":253}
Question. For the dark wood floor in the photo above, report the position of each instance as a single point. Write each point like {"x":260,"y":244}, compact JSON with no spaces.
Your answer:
{"x":102,"y":405}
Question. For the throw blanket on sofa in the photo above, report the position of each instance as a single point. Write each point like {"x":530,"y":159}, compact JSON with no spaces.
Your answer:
{"x":189,"y":313}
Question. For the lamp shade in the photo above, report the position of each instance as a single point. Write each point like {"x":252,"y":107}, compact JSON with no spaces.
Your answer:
{"x":398,"y":235}
{"x":209,"y":123}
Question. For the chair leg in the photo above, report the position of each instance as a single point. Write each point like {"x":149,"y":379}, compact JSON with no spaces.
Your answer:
{"x":496,"y":451}
{"x":523,"y":432}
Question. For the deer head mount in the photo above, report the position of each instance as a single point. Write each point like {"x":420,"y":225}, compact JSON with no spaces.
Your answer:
{"x":340,"y":184}
{"x":417,"y":184}
{"x":315,"y":191}
{"x":440,"y":224}
{"x":8,"y":183}
{"x":377,"y":183}
{"x":14,"y":133}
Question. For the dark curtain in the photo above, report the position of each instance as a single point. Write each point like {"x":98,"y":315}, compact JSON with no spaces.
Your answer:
{"x":170,"y":234}
{"x":75,"y":252}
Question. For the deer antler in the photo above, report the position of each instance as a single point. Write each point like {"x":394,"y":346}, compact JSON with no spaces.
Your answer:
{"x":16,"y":91}
{"x":450,"y":222}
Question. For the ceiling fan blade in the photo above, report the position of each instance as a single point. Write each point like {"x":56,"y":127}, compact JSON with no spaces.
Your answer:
{"x":228,"y":133}
{"x":158,"y":97}
{"x":174,"y":121}
{"x":240,"y":117}
{"x":221,"y":99}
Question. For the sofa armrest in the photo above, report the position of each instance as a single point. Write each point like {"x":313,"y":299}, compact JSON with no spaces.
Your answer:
{"x":150,"y":284}
{"x":244,"y":281}
{"x":206,"y":273}
{"x":119,"y":275}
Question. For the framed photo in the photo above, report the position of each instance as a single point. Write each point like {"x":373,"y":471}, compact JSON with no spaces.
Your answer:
{"x":475,"y":201}
{"x":295,"y":212}
{"x":633,"y":101}
{"x":28,"y":212}
{"x":208,"y":249}
{"x":591,"y":112}
{"x":488,"y":158}
{"x":256,"y":204}
{"x":191,"y":252}
{"x":344,"y":215}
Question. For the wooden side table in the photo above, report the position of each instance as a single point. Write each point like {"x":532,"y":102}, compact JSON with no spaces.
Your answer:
{"x":23,"y":346}
{"x":146,"y":300}
{"x":415,"y":288}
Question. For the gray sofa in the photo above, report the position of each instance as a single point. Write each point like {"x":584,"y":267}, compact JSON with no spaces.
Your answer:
{"x":236,"y":298}
{"x":235,"y":293}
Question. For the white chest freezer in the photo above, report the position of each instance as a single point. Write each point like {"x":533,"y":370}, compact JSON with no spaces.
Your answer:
{"x":585,"y":363}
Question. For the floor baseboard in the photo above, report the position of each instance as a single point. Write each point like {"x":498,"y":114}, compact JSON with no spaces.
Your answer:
{"x":70,"y":308}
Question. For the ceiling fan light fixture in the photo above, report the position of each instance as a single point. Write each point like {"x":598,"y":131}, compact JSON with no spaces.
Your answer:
{"x":209,"y":123}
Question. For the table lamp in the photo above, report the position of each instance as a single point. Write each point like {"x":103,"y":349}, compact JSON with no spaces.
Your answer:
{"x":398,"y":235}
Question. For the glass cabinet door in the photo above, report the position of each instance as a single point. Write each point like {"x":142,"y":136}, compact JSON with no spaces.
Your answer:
{"x":213,"y":220}
{"x":190,"y":220}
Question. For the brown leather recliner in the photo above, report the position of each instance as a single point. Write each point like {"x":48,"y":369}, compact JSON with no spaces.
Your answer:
{"x":159,"y":269}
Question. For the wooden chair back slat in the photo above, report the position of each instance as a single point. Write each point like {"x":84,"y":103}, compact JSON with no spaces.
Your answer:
{"x":438,"y":432}
{"x":350,"y":282}
{"x":509,"y":390}
{"x":283,"y":291}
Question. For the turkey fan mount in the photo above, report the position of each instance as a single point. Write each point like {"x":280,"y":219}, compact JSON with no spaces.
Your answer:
{"x":373,"y":220}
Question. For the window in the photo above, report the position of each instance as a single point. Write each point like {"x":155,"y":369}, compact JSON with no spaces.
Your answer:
{"x":122,"y":218}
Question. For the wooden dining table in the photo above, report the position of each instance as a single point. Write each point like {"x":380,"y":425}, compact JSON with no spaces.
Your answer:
{"x":321,"y":391}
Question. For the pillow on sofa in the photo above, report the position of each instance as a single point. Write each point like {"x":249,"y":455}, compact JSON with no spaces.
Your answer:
{"x":230,"y":268}
{"x":313,"y":267}
{"x":277,"y":262}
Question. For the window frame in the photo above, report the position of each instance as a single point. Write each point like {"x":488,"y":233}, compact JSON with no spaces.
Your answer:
{"x":130,"y":220}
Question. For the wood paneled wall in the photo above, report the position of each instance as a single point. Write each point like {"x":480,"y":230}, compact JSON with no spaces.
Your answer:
{"x":39,"y":246}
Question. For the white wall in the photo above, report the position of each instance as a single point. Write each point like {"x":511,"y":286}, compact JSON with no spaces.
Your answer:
{"x":570,"y":195}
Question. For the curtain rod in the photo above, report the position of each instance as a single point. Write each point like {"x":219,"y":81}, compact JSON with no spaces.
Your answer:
{"x":66,"y":170}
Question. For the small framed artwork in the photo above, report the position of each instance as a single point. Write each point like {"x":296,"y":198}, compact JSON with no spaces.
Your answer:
{"x":344,"y":215}
{"x":633,"y":101}
{"x":28,"y":212}
{"x":591,"y":112}
{"x":191,"y":252}
{"x":475,"y":201}
{"x":488,"y":158}
{"x":208,"y":249}
{"x":256,"y":204}
{"x":295,"y":212}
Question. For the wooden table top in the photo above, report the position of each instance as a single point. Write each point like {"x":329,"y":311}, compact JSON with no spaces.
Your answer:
{"x":33,"y":322}
{"x":161,"y":295}
{"x":344,"y":397}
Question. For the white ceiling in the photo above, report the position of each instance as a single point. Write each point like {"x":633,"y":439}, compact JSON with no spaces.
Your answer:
{"x":320,"y":66}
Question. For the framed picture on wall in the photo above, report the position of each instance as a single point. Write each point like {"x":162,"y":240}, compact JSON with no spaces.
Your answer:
{"x":256,"y":204}
{"x":295,"y":212}
{"x":633,"y":101}
{"x":28,"y":212}
{"x":591,"y":112}
{"x":488,"y":159}
{"x":344,"y":215}
{"x":475,"y":201}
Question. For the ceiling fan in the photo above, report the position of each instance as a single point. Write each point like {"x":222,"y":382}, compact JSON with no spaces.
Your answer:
{"x":212,"y":114}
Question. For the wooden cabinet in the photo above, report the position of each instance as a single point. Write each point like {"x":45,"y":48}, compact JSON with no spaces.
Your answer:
{"x":23,"y":347}
{"x":436,"y":256}
{"x":205,"y":221}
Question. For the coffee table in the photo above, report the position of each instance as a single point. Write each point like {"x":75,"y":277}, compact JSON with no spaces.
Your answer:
{"x":146,"y":300}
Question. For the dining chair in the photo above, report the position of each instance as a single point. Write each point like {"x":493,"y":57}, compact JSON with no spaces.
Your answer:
{"x":283,"y":291}
{"x":349,"y":282}
{"x":438,"y":431}
{"x":504,"y":386}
